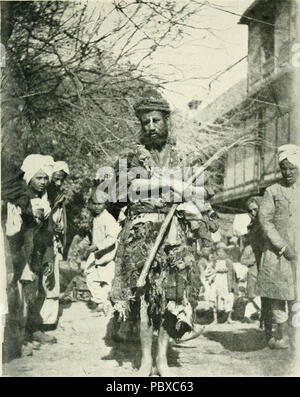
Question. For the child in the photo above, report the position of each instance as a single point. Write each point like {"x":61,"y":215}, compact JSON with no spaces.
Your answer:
{"x":100,"y":266}
{"x":210,"y":293}
{"x":225,"y":282}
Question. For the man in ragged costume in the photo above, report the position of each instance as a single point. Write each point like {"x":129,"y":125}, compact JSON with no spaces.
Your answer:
{"x":166,"y":302}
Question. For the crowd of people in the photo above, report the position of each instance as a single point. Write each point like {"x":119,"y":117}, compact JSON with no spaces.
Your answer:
{"x":34,"y":226}
{"x":189,"y":273}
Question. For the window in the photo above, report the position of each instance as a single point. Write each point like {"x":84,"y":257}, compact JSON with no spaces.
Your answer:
{"x":267,"y":34}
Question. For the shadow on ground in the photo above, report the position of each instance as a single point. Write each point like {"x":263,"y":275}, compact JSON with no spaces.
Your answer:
{"x":243,"y":340}
{"x":129,"y":349}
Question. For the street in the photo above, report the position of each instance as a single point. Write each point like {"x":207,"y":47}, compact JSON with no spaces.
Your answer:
{"x":81,"y":351}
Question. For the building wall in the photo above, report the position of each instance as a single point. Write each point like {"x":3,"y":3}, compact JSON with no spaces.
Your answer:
{"x":250,"y":169}
{"x":269,"y":47}
{"x":282,"y":35}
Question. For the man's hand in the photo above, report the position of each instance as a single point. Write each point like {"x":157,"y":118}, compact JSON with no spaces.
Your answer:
{"x":289,"y":254}
{"x":38,"y":214}
{"x":58,"y":229}
{"x":92,"y":248}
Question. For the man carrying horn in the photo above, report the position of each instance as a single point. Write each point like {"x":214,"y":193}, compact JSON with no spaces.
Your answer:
{"x":165,"y":304}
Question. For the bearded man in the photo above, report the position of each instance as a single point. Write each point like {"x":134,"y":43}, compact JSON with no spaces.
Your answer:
{"x":166,"y":302}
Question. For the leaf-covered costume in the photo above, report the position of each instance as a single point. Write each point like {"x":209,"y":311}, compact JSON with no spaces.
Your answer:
{"x":173,"y":283}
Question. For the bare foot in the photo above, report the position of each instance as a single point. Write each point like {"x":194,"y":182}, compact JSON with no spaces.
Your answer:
{"x":163,"y":368}
{"x":229,"y":321}
{"x":154,"y":371}
{"x":145,"y":368}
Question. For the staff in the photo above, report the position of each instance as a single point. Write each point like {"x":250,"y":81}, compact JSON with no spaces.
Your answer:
{"x":142,"y":278}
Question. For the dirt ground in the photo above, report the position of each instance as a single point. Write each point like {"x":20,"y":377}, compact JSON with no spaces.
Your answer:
{"x":83,"y":351}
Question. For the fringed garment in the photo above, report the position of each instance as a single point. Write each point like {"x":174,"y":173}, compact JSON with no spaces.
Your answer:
{"x":173,"y":283}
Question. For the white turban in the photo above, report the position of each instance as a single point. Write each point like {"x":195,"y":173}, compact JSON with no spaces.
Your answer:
{"x":291,"y":153}
{"x":101,"y":196}
{"x":61,"y":166}
{"x":35,"y":163}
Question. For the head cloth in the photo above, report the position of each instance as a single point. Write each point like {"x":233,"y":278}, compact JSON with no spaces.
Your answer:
{"x":152,"y":100}
{"x":61,"y":166}
{"x":254,"y":199}
{"x":291,"y":153}
{"x":34,"y":163}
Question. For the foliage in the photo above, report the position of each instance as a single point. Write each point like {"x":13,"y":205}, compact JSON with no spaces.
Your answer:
{"x":73,"y":74}
{"x":62,"y":98}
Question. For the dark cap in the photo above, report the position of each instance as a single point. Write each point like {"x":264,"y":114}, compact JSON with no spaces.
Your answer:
{"x":151,"y":101}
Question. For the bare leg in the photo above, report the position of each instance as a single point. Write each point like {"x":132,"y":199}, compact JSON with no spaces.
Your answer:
{"x":146,"y":335}
{"x":229,"y":319}
{"x":229,"y":305}
{"x":215,"y":320}
{"x":161,"y":360}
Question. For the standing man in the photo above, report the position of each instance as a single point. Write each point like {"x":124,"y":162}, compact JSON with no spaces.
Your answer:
{"x":278,"y":215}
{"x":58,"y":227}
{"x":166,"y":302}
{"x":38,"y":244}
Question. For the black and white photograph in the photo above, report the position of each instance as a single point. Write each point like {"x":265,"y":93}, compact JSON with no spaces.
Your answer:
{"x":150,"y":160}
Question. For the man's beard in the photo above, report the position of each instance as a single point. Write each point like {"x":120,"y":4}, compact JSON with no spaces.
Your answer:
{"x":154,"y":143}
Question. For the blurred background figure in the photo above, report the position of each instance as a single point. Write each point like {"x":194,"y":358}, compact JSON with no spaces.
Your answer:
{"x":251,"y":258}
{"x":225,"y":281}
{"x":233,"y":250}
{"x":58,"y":225}
{"x":100,"y":266}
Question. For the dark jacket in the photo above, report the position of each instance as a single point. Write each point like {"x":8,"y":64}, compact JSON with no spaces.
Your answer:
{"x":251,"y":256}
{"x":57,"y":200}
{"x":43,"y":251}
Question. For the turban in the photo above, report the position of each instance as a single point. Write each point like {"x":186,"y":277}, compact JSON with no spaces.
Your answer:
{"x":221,"y":245}
{"x":101,"y":197}
{"x":255,"y":199}
{"x":35,"y":163}
{"x":233,"y":239}
{"x":291,"y":153}
{"x":152,"y":101}
{"x":61,"y":166}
